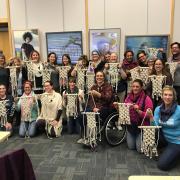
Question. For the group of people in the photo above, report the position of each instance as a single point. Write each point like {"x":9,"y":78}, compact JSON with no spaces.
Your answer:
{"x":46,"y":94}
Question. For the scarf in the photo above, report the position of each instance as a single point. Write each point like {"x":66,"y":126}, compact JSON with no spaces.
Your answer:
{"x":139,"y":99}
{"x":129,"y":65}
{"x":165,"y":114}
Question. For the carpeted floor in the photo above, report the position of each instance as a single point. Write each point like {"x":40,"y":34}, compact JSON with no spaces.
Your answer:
{"x":63,"y":159}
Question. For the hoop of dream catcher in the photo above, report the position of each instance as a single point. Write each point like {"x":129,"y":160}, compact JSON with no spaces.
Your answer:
{"x":113,"y":74}
{"x":148,"y":139}
{"x":63,"y":75}
{"x":157,"y":85}
{"x":172,"y":67}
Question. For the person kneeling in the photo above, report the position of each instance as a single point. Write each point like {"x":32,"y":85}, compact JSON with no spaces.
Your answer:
{"x":51,"y":110}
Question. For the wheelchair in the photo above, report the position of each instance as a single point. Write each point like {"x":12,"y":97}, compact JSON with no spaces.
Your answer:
{"x":113,"y":133}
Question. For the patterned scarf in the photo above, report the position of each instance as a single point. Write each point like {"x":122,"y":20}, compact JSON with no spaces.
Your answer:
{"x":129,"y":65}
{"x":139,"y":99}
{"x":165,"y":114}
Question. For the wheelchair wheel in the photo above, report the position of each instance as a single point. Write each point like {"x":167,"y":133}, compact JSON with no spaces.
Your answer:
{"x":114,"y":134}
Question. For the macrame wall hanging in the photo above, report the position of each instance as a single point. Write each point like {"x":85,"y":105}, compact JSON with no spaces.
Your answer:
{"x":13,"y":79}
{"x":153,"y":52}
{"x":46,"y":75}
{"x":81,"y":78}
{"x":63,"y":75}
{"x":71,"y":108}
{"x":135,"y":73}
{"x":3,"y":114}
{"x":124,"y":117}
{"x":89,"y":80}
{"x":157,"y":85}
{"x":144,"y":74}
{"x":113,"y":74}
{"x":26,"y":105}
{"x":172,"y":67}
{"x":30,"y":70}
{"x":91,"y":130}
{"x":148,"y":140}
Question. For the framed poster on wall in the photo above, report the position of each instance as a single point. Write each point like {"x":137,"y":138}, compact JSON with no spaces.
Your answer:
{"x":105,"y":40}
{"x":25,"y":41}
{"x":151,"y":44}
{"x":65,"y":43}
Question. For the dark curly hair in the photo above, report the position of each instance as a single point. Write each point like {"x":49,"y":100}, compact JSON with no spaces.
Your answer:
{"x":29,"y":35}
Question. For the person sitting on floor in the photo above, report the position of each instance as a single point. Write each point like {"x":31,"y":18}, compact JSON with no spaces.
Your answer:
{"x":50,"y":116}
{"x":167,"y":115}
{"x":28,"y":106}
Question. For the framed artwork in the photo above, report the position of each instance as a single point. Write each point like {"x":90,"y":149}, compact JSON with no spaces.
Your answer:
{"x":25,"y":41}
{"x":65,"y":43}
{"x":151,"y":44}
{"x":105,"y":40}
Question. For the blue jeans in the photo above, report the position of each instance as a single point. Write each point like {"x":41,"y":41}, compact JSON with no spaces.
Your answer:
{"x":170,"y":156}
{"x":27,"y":127}
{"x":134,"y":141}
{"x":73,"y":125}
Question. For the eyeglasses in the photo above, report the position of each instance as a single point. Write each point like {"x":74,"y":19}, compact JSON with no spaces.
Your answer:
{"x":141,"y":56}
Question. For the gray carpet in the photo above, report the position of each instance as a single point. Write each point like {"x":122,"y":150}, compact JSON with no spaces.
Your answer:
{"x":63,"y":159}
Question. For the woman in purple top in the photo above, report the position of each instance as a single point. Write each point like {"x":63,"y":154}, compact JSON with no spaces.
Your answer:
{"x":140,"y":104}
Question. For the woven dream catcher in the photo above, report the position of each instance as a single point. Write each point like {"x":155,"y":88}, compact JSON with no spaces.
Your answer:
{"x":113,"y":74}
{"x":172,"y":67}
{"x":71,"y":108}
{"x":124,"y":117}
{"x":3,"y":114}
{"x":157,"y":85}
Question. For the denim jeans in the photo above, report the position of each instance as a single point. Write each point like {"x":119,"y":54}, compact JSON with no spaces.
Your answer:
{"x":170,"y":155}
{"x":27,"y":127}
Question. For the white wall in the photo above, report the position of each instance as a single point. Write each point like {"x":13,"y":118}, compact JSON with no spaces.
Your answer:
{"x":138,"y":17}
{"x":176,"y":36}
{"x":3,"y":9}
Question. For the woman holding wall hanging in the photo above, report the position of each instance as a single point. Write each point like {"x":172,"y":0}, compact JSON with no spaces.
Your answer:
{"x":100,"y":100}
{"x":51,"y":110}
{"x":140,"y":103}
{"x":79,"y":71}
{"x":28,"y":106}
{"x":52,"y":66}
{"x":37,"y":71}
{"x":73,"y":101}
{"x":116,"y":76}
{"x":7,"y":108}
{"x":167,"y":115}
{"x":158,"y":78}
{"x":4,"y":73}
{"x":64,"y":72}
